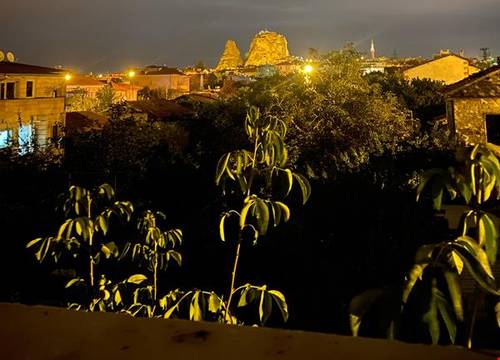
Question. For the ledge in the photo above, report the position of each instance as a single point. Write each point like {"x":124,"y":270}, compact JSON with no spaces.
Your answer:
{"x":36,"y":332}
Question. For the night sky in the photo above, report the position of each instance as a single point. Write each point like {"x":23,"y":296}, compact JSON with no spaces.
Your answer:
{"x":102,"y":35}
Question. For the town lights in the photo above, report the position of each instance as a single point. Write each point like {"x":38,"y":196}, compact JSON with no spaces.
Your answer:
{"x":131,"y":74}
{"x":67,"y":77}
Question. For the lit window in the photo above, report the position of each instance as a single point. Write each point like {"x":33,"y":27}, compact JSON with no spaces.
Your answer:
{"x":5,"y":138}
{"x":29,"y":88}
{"x":25,"y":137}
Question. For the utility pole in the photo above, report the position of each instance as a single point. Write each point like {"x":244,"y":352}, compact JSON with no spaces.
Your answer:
{"x":486,"y":53}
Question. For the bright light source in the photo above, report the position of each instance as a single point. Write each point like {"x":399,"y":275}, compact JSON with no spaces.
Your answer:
{"x":308,"y":69}
{"x":131,"y":73}
{"x":67,"y":77}
{"x":99,"y":76}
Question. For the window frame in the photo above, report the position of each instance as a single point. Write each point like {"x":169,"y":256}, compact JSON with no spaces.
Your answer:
{"x":32,"y":89}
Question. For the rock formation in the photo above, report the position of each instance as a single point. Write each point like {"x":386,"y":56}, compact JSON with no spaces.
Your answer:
{"x":231,"y":57}
{"x":267,"y":48}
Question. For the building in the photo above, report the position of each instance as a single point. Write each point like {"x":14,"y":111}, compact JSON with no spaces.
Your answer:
{"x":473,"y":107}
{"x":125,"y":92}
{"x":31,"y":104}
{"x":84,"y":84}
{"x":448,"y":68}
{"x":88,"y":88}
{"x":170,"y":80}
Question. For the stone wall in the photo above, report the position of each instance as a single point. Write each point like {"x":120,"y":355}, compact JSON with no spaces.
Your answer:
{"x":469,"y":117}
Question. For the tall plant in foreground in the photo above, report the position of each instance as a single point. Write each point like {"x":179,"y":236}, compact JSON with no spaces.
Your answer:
{"x":83,"y":235}
{"x":258,"y":173}
{"x":438,"y":267}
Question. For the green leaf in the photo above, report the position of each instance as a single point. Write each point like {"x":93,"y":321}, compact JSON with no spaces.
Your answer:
{"x":431,"y":318}
{"x":118,"y":297}
{"x":262,"y":215}
{"x":195,"y":313}
{"x":244,"y":212}
{"x":73,"y":282}
{"x":214,"y":303}
{"x":360,"y":305}
{"x":265,"y":305}
{"x":468,"y":244}
{"x":106,"y":251}
{"x":437,"y":194}
{"x":285,"y":210}
{"x":136,"y":279}
{"x":457,"y":261}
{"x":489,"y":231}
{"x":444,"y":310}
{"x":33,"y":242}
{"x":221,"y":167}
{"x":176,"y":256}
{"x":280,"y":301}
{"x":453,"y":282}
{"x":415,"y":274}
{"x":221,"y":226}
{"x":289,"y":176}
{"x":305,"y":187}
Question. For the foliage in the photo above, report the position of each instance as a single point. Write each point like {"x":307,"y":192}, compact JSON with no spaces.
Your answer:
{"x":84,"y":234}
{"x":439,"y":267}
{"x":258,"y":174}
{"x":423,"y":97}
{"x":105,"y":98}
{"x":147,"y":93}
{"x":78,"y":100}
{"x":337,"y":122}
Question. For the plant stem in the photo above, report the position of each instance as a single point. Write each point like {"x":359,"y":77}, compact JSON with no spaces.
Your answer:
{"x":238,"y":245}
{"x":233,"y":274}
{"x":155,"y":273}
{"x":91,"y":258}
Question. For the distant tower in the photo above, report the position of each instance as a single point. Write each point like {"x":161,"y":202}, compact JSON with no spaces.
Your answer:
{"x":372,"y":50}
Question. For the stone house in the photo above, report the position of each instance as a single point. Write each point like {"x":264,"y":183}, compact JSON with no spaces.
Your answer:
{"x":170,"y":80}
{"x":449,"y":69}
{"x":473,"y":107}
{"x":31,"y":104}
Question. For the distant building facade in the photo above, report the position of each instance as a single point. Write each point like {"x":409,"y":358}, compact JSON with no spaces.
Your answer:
{"x":32,"y":102}
{"x":473,"y":107}
{"x":449,"y":68}
{"x":170,"y":80}
{"x":80,"y":83}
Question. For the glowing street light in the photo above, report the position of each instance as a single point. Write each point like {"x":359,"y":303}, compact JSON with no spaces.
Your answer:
{"x":131,"y":74}
{"x":308,"y":69}
{"x":67,"y":77}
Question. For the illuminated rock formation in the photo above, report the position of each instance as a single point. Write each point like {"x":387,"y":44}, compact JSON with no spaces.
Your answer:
{"x":267,"y":48}
{"x":231,"y":57}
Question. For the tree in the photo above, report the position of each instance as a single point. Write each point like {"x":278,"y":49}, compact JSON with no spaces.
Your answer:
{"x":338,"y":121}
{"x":423,"y":97}
{"x":104,"y":99}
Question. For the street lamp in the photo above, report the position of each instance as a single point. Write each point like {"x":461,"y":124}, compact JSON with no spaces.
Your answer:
{"x":308,"y":69}
{"x":131,"y":75}
{"x":67,"y":77}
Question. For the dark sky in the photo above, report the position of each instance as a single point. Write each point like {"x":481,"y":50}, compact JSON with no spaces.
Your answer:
{"x":102,"y":35}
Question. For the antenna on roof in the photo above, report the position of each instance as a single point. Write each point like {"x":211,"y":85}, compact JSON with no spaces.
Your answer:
{"x":11,"y":57}
{"x":486,"y":53}
{"x":2,"y":56}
